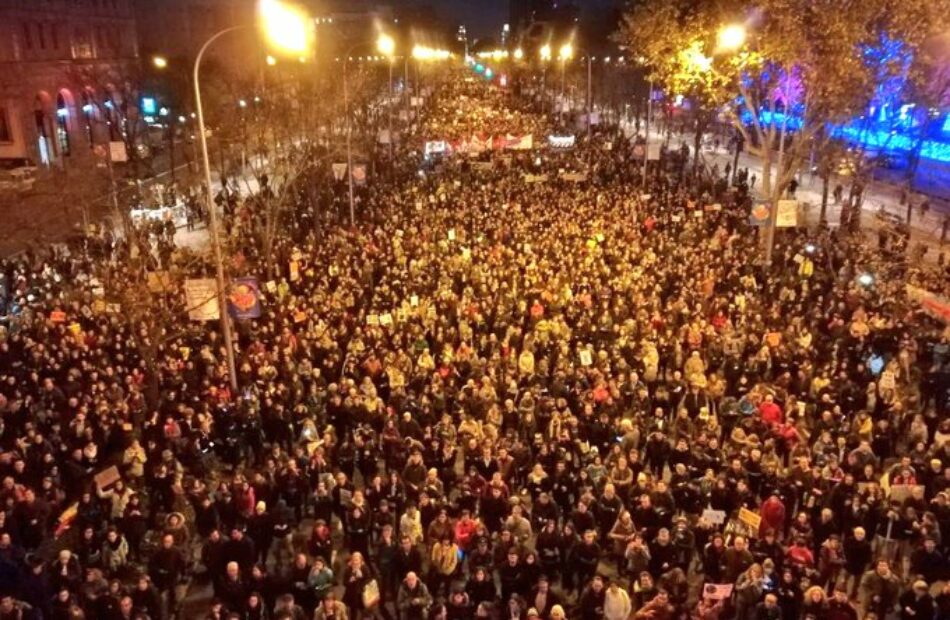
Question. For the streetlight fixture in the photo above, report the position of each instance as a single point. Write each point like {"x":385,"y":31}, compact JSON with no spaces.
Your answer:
{"x":545,"y":52}
{"x":285,"y":27}
{"x":731,"y":37}
{"x":519,"y":54}
{"x":386,"y":45}
{"x":289,"y":28}
{"x":271,"y":61}
{"x":160,"y":62}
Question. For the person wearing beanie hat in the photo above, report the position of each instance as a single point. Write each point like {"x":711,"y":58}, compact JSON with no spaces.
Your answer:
{"x":557,"y":613}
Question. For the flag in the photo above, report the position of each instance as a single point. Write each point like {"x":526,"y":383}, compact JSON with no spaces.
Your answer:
{"x":244,"y":299}
{"x":759,"y":216}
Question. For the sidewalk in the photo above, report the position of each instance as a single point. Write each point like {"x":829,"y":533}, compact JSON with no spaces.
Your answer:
{"x":878,"y":196}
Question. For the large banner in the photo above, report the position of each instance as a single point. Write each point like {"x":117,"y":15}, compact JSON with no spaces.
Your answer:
{"x":244,"y":299}
{"x":481,"y":142}
{"x":563,"y":142}
{"x":519,"y":143}
{"x":436,"y":146}
{"x":201,"y":297}
{"x":931,"y":303}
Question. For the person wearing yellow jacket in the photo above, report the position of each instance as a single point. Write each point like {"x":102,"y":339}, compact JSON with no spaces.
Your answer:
{"x":444,"y":559}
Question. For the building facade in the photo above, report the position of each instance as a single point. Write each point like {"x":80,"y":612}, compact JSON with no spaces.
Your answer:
{"x":62,"y":65}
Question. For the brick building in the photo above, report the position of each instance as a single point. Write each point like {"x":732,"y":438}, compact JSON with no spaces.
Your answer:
{"x":48,"y":115}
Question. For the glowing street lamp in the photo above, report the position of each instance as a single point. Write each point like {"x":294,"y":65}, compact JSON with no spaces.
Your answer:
{"x":286,"y":27}
{"x":566,"y":52}
{"x":271,"y":61}
{"x":290,"y":30}
{"x":545,"y":52}
{"x":160,"y":62}
{"x":519,"y":54}
{"x":731,"y":37}
{"x":386,"y":45}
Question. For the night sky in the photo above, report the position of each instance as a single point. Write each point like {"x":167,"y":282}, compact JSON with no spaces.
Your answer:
{"x":485,"y":17}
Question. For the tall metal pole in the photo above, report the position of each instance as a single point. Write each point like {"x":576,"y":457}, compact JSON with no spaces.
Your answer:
{"x":590,"y":101}
{"x":392,"y":162}
{"x":213,"y":215}
{"x":349,"y":151}
{"x":646,"y":144}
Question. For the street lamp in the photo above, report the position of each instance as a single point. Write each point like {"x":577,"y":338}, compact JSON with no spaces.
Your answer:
{"x":519,"y":54}
{"x":387,"y":46}
{"x":160,"y":62}
{"x":545,"y":52}
{"x":731,"y":37}
{"x":285,"y":27}
{"x":564,"y":54}
{"x":289,"y":28}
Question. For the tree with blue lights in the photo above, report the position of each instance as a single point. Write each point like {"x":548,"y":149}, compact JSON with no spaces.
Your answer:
{"x":798,"y":68}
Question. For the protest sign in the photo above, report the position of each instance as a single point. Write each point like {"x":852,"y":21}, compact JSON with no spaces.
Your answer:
{"x":201,"y":298}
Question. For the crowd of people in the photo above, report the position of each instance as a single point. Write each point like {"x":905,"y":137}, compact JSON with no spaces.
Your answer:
{"x":525,"y":385}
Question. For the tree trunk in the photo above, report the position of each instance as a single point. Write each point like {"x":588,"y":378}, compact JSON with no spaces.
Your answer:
{"x":825,"y":182}
{"x":697,"y":141}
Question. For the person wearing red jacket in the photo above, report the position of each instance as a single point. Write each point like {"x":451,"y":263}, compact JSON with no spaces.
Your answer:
{"x":773,"y":515}
{"x":770,"y":412}
{"x":465,"y":529}
{"x":800,"y":556}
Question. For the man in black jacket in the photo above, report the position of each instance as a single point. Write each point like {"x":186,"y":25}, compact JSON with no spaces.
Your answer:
{"x":165,"y":568}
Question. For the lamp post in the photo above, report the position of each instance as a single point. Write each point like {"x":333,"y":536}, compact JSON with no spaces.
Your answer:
{"x":213,"y":212}
{"x":386,"y":45}
{"x":279,"y":21}
{"x":566,"y":53}
{"x":646,"y":142}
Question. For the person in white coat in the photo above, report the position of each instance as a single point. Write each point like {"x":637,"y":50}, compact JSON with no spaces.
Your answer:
{"x":617,"y":604}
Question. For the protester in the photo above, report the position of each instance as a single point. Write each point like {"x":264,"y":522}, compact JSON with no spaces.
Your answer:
{"x":576,"y":394}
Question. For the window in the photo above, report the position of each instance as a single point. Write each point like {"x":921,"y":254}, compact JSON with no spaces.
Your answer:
{"x":62,"y":125}
{"x":41,"y":35}
{"x":27,"y":36}
{"x":6,"y":132}
{"x":54,"y":35}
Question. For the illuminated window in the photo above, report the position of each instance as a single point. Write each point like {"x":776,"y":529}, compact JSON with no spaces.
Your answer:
{"x":6,"y":133}
{"x":62,"y":125}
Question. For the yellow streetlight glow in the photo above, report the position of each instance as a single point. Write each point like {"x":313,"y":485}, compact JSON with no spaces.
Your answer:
{"x":286,"y":27}
{"x":545,"y":52}
{"x":566,"y":51}
{"x":160,"y":62}
{"x":386,"y":45}
{"x":271,"y":61}
{"x":732,"y":37}
{"x":519,"y":54}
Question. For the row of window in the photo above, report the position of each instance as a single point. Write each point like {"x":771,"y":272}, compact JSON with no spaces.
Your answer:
{"x":50,"y":36}
{"x":111,"y":5}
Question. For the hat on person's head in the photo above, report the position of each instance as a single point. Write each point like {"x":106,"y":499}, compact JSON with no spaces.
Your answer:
{"x":532,"y":613}
{"x":920,"y":584}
